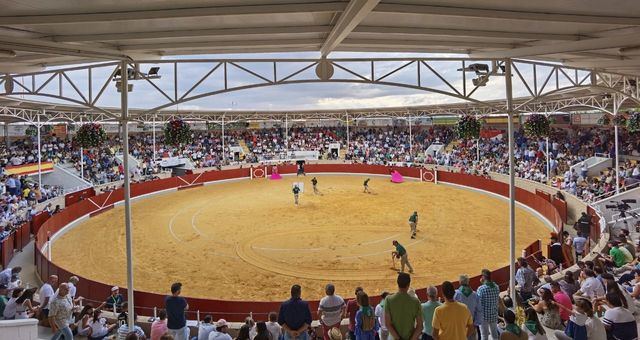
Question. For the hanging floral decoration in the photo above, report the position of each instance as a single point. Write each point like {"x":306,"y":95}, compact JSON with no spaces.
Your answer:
{"x":633,"y":123}
{"x":177,"y":132}
{"x":619,"y":120}
{"x":90,"y":135}
{"x":31,"y":131}
{"x":604,"y":120}
{"x":468,"y":127}
{"x":537,"y":125}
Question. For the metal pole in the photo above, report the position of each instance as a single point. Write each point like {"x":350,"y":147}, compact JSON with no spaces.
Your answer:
{"x":39,"y":154}
{"x":477,"y":147}
{"x":81,"y":155}
{"x":286,"y":135}
{"x":153,"y":133}
{"x":616,"y":107}
{"x":615,"y":129}
{"x":6,"y":135}
{"x":410,"y":138}
{"x":347,"y":146}
{"x":224,"y":154}
{"x":127,"y":192}
{"x":548,"y":159}
{"x":512,"y":183}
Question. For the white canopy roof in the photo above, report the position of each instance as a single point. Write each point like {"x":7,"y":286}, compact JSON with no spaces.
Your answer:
{"x":586,"y":33}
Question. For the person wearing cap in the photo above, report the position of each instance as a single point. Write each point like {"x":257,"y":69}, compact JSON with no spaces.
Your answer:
{"x":469,"y":298}
{"x":221,"y":331}
{"x":175,"y":306}
{"x":295,"y":316}
{"x":413,"y":223}
{"x":489,"y":294}
{"x":3,"y":297}
{"x":401,"y":253}
{"x":330,"y":310}
{"x":115,"y":299}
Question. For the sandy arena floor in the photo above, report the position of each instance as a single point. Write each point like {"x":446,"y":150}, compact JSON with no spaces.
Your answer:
{"x":246,"y":240}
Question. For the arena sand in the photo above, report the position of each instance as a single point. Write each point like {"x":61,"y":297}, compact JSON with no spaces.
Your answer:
{"x":245,"y":240}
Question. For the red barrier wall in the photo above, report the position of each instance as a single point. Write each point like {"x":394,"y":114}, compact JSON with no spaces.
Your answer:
{"x":74,"y":197}
{"x":238,"y":310}
{"x":7,"y":250}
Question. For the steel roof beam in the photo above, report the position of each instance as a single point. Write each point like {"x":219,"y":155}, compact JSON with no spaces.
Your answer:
{"x":47,"y":19}
{"x":567,"y":47}
{"x":506,"y":14}
{"x":192,"y":33}
{"x":466,"y":33}
{"x":355,"y":12}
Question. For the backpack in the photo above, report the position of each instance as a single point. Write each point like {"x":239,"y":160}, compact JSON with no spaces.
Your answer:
{"x":368,"y":322}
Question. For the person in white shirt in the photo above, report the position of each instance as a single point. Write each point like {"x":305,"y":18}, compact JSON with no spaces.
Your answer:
{"x":578,"y":243}
{"x":205,"y":328}
{"x":379,"y":313}
{"x":222,"y":327}
{"x":273,"y":326}
{"x":590,"y":287}
{"x":46,"y":294}
{"x":330,"y":310}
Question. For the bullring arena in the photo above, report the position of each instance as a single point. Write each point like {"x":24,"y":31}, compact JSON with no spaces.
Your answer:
{"x":155,"y":148}
{"x":249,"y":238}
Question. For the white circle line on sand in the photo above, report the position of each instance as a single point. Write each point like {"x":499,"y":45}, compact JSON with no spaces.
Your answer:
{"x":325,"y":248}
{"x":193,"y":224}
{"x":173,"y":218}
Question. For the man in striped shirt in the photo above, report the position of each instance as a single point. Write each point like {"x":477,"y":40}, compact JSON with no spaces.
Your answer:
{"x":330,"y":310}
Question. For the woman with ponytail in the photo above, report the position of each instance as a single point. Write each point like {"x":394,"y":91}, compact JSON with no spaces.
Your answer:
{"x":366,"y":322}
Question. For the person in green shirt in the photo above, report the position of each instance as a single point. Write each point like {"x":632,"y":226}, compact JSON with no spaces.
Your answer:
{"x":296,"y":193}
{"x":401,"y":253}
{"x":617,"y":256}
{"x":366,"y":185}
{"x":3,"y":298}
{"x":413,"y":223}
{"x":402,"y":312}
{"x":427,"y":312}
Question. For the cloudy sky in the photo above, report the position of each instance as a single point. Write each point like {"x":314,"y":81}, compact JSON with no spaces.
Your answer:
{"x":342,"y":95}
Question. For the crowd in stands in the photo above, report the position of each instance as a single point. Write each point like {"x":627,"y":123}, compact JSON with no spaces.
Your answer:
{"x":597,"y":301}
{"x":373,"y":145}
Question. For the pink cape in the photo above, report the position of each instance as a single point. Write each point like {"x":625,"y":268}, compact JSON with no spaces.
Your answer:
{"x":396,"y":177}
{"x":275,"y":176}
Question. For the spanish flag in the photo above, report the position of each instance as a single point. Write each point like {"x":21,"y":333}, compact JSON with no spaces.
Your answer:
{"x":29,"y":169}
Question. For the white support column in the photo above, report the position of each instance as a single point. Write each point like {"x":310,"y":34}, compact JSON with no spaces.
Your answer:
{"x":512,"y":184}
{"x":348,"y":141}
{"x":224,"y":154}
{"x":153,"y":133}
{"x":286,"y":135}
{"x":615,"y":132}
{"x":616,"y":107}
{"x":39,"y":153}
{"x":548,"y":159}
{"x":127,"y":192}
{"x":81,"y":154}
{"x":410,"y":138}
{"x":478,"y":147}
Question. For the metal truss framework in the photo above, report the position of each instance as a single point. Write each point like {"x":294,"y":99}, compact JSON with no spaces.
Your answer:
{"x":550,"y":87}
